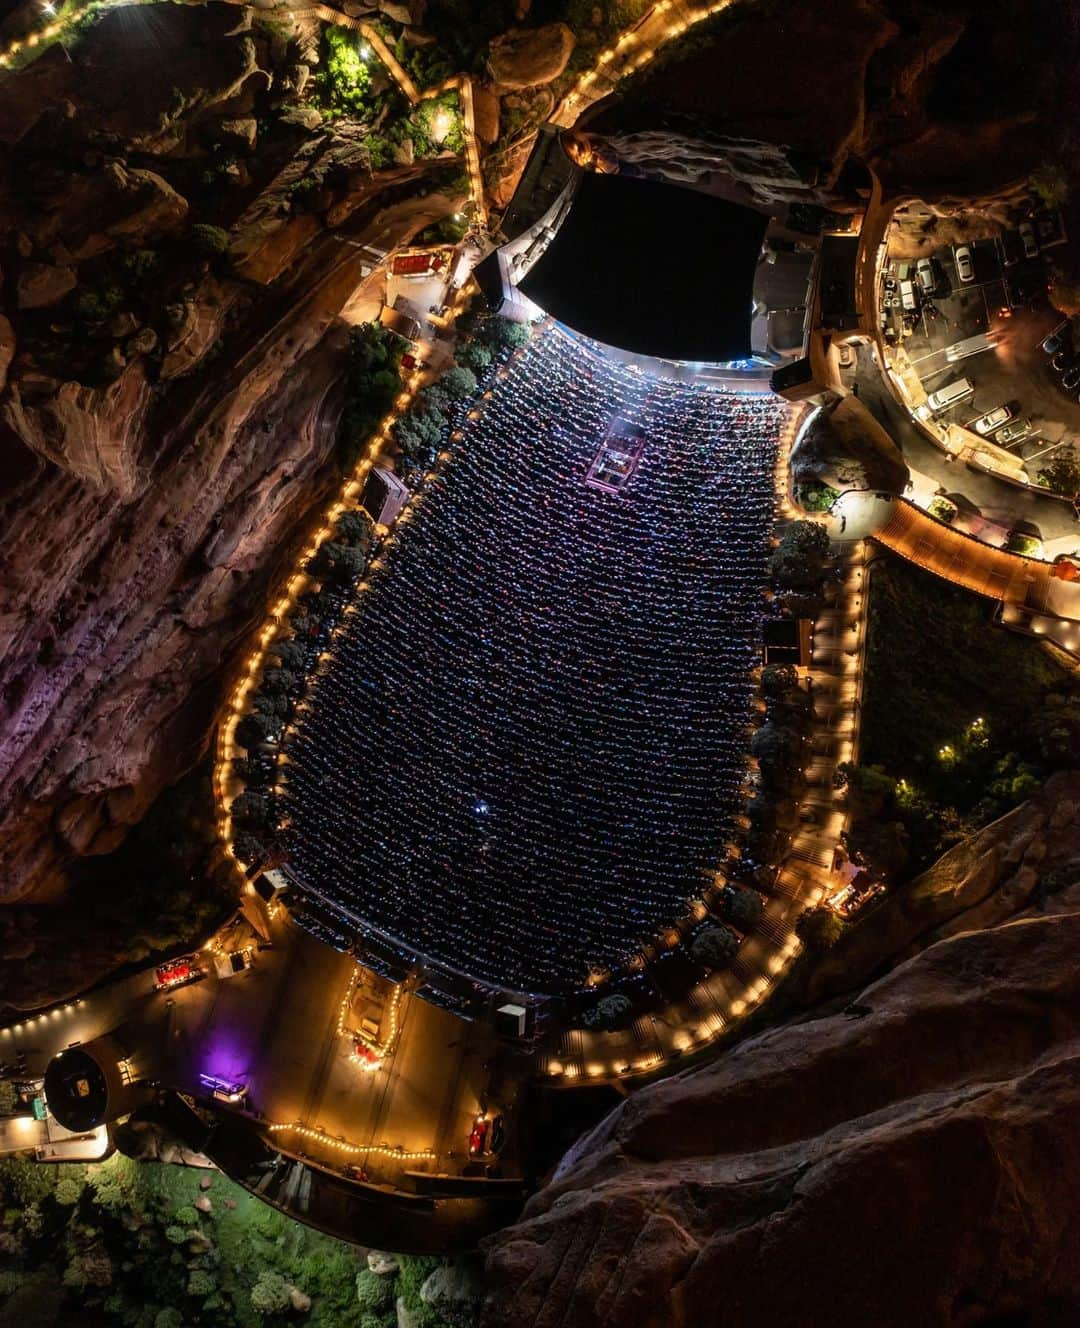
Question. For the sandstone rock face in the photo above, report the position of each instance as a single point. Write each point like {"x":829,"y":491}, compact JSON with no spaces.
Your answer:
{"x":882,"y":82}
{"x":7,"y":349}
{"x":91,"y":213}
{"x":485,"y":113}
{"x":910,"y":1160}
{"x":845,"y":448}
{"x":148,"y":507}
{"x":41,"y":285}
{"x":522,"y":58}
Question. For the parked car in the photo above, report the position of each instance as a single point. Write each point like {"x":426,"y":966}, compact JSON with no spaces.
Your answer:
{"x":1013,"y":432}
{"x":1028,"y":240}
{"x":908,"y":298}
{"x":926,"y":275}
{"x":965,"y":263}
{"x":993,"y":419}
{"x":1070,"y":380}
{"x":1061,"y":361}
{"x":950,"y":394}
{"x":1057,"y":339}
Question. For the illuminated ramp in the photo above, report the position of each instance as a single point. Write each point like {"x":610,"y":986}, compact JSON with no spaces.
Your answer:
{"x":964,"y":560}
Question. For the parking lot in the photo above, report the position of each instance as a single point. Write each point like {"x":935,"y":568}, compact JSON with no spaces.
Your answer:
{"x":1007,"y":303}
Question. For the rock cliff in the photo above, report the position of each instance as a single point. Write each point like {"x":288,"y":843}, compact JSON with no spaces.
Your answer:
{"x":929,"y":94}
{"x":909,"y":1159}
{"x":169,"y":419}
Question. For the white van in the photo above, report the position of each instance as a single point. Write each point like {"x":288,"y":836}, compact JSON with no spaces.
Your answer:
{"x":950,"y":394}
{"x":908,"y":299}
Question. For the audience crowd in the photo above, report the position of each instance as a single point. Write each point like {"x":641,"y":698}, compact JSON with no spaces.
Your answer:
{"x":522,"y":753}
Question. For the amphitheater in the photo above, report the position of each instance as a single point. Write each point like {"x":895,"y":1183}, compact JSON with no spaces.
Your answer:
{"x":525,"y":744}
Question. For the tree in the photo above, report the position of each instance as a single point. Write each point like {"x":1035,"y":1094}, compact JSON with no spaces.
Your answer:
{"x":777,"y":679}
{"x":255,"y":729}
{"x":608,"y":1012}
{"x":250,"y":809}
{"x":802,"y":558}
{"x":473,"y":355}
{"x":270,"y":1294}
{"x":208,"y":241}
{"x":374,"y":1292}
{"x":277,"y":682}
{"x":1061,"y":474}
{"x":458,"y":383}
{"x":200,"y":1283}
{"x":819,"y":928}
{"x":715,"y":947}
{"x":778,"y":748}
{"x":742,"y":908}
{"x":506,"y":332}
{"x":354,"y":527}
{"x":419,"y":432}
{"x":433,"y":399}
{"x":272,"y":704}
{"x":290,"y":654}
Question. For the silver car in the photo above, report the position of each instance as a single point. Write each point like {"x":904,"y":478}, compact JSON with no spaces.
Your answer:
{"x":993,"y":419}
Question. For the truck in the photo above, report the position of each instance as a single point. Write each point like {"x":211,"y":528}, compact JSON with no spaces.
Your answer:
{"x":960,"y":350}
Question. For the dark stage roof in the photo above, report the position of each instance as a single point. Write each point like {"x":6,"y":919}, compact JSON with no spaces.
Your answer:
{"x":653,"y":268}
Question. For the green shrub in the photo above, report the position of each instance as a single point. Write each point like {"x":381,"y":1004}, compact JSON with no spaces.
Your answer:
{"x":208,"y":241}
{"x":343,"y":81}
{"x":200,"y":1283}
{"x":270,"y":1294}
{"x":374,"y":1293}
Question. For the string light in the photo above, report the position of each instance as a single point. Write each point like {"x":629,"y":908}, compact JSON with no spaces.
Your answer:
{"x":356,"y":1150}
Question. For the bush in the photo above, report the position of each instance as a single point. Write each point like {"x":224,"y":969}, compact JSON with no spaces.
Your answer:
{"x":208,"y":241}
{"x":270,"y":1294}
{"x":375,"y":1294}
{"x":1062,"y":474}
{"x":608,"y":1012}
{"x":715,"y":947}
{"x":200,"y":1283}
{"x":943,"y":509}
{"x":68,"y":1190}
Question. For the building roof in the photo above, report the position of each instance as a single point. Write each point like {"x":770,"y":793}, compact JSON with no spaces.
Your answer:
{"x":654,"y":268}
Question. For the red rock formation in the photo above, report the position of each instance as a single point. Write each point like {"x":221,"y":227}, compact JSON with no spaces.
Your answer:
{"x":912,"y":1159}
{"x":145,"y":518}
{"x":914,"y":1162}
